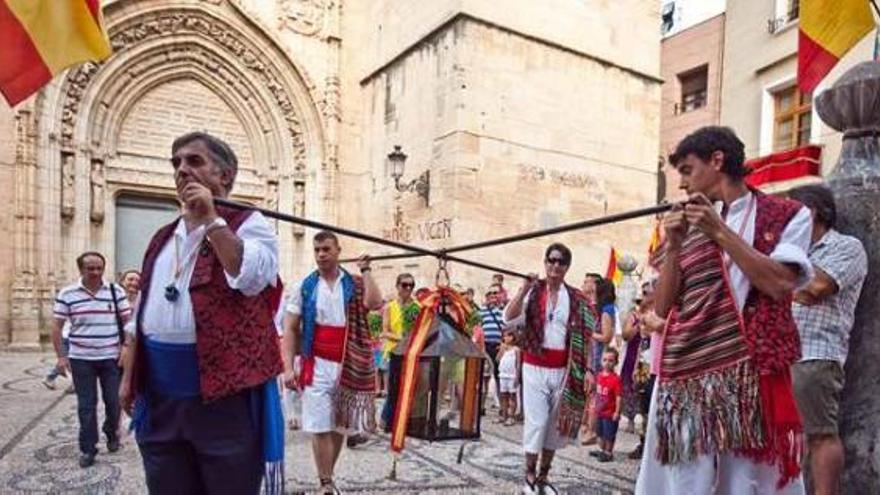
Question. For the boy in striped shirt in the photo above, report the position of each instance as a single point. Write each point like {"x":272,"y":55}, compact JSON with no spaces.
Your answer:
{"x":95,"y":310}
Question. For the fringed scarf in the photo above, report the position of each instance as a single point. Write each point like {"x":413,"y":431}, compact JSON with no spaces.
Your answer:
{"x":354,"y":399}
{"x":582,"y":320}
{"x":708,"y":398}
{"x":711,"y":396}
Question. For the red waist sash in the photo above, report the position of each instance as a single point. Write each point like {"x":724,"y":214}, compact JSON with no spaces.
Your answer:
{"x":329,"y":344}
{"x":548,"y":358}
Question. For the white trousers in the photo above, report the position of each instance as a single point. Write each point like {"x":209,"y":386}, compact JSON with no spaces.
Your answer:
{"x":708,"y":474}
{"x":542,"y":391}
{"x":317,"y":398}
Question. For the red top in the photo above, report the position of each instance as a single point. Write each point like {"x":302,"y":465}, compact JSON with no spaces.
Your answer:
{"x":608,"y":389}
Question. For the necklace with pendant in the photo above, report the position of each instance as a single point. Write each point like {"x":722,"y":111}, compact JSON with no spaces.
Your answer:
{"x":172,"y":293}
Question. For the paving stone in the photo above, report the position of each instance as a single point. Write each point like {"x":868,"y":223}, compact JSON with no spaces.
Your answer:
{"x":38,"y":443}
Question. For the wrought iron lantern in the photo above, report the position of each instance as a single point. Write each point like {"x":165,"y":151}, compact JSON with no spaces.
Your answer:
{"x":449,"y":362}
{"x":421,"y":185}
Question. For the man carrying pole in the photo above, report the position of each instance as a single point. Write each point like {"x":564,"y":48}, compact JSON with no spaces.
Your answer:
{"x":723,"y":417}
{"x":558,"y":321}
{"x":327,"y":352}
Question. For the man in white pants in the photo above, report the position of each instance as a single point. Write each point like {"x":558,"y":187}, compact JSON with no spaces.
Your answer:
{"x":558,"y":321}
{"x":328,"y":353}
{"x":723,"y":419}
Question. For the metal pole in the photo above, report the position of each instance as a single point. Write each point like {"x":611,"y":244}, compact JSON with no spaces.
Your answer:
{"x":584,"y":224}
{"x":362,"y":236}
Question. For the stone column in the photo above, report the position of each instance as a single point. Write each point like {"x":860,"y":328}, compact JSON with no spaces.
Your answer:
{"x":629,"y":286}
{"x":852,"y":106}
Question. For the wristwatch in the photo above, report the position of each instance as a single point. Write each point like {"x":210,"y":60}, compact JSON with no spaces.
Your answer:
{"x":218,"y":223}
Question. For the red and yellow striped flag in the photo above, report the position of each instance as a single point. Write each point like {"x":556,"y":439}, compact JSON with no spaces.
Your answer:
{"x":41,"y":38}
{"x":613,"y":273}
{"x":828,"y":29}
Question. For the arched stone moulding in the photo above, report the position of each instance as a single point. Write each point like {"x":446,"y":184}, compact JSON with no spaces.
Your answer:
{"x":157,"y":42}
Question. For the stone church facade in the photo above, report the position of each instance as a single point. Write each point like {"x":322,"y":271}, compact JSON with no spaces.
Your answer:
{"x":524,"y":117}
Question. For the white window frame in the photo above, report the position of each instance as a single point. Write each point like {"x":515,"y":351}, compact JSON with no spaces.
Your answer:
{"x":768,"y":117}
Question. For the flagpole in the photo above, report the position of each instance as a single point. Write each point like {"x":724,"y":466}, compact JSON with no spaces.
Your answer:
{"x":876,"y":9}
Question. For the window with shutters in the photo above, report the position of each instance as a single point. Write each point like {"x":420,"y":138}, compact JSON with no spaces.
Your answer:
{"x":694,"y":89}
{"x":793,"y":114}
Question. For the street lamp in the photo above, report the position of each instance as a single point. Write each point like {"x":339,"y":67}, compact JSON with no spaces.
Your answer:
{"x":420,"y":185}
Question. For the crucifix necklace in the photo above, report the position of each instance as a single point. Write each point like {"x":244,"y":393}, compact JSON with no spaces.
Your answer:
{"x":172,"y":293}
{"x":552,"y":310}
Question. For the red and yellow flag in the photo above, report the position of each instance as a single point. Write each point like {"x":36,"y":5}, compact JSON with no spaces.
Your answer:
{"x":613,"y":273}
{"x":41,"y":38}
{"x":828,"y":29}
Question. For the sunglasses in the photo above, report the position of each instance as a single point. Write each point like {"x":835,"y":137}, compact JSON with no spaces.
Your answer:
{"x":491,"y":293}
{"x":407,"y":285}
{"x":556,"y":261}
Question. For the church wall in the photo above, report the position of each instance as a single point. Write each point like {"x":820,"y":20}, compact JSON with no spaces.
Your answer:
{"x":518,"y":133}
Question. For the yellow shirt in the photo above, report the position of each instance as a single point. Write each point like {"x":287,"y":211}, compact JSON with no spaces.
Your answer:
{"x":396,"y":324}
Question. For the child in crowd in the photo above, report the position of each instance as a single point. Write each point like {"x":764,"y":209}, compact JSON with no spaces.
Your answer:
{"x":608,"y":404}
{"x":508,"y":376}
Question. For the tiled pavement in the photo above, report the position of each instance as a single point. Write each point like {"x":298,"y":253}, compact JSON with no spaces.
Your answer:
{"x":38,"y":453}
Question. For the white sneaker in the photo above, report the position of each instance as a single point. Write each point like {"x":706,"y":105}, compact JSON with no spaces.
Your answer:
{"x":639,"y":422}
{"x":546,"y":488}
{"x":529,"y":488}
{"x":49,"y":383}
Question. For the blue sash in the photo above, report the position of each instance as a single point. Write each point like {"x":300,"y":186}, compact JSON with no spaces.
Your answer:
{"x":309,"y":292}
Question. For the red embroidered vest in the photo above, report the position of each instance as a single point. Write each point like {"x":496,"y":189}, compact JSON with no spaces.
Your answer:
{"x":236,"y":340}
{"x":770,"y":331}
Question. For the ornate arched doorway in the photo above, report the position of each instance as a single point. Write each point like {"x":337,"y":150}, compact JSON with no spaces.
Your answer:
{"x":177,"y":67}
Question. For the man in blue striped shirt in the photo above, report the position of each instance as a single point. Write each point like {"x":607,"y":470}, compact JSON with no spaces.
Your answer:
{"x":492,"y":316}
{"x":96,"y":310}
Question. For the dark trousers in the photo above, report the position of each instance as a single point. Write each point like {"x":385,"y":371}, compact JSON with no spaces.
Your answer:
{"x":191,"y":447}
{"x":86,"y":375}
{"x":492,"y":351}
{"x":394,"y":365}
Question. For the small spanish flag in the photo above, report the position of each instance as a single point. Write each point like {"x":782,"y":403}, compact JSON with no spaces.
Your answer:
{"x":613,"y":272}
{"x":828,"y":29}
{"x":41,"y":38}
{"x":655,"y":243}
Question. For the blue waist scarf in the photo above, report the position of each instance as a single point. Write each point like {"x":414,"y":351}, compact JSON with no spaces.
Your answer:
{"x":173,"y":371}
{"x":309,"y":292}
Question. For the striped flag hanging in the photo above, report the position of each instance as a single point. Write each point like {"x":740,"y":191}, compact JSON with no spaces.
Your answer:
{"x":828,"y":29}
{"x":613,"y":272}
{"x":41,"y":38}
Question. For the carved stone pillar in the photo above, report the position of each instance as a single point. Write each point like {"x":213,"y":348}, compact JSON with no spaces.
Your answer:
{"x":68,"y":185}
{"x":852,"y":106}
{"x":24,"y":298}
{"x":299,"y":205}
{"x":98,"y":186}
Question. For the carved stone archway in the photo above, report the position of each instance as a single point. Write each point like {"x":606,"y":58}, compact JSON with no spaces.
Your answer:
{"x":158,"y":43}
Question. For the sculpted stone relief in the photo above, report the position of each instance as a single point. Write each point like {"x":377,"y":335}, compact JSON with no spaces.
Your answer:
{"x":163,"y":23}
{"x":68,"y":184}
{"x":307,"y":17}
{"x":98,"y":183}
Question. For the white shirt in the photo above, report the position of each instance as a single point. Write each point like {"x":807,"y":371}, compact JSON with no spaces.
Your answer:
{"x":174,"y":322}
{"x":330,"y":303}
{"x":792,"y":247}
{"x":555,"y":323}
{"x":93,"y":332}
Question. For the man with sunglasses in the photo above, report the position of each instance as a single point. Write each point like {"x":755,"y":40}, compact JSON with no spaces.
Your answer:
{"x":492,"y":323}
{"x":557,"y":321}
{"x":397,"y":320}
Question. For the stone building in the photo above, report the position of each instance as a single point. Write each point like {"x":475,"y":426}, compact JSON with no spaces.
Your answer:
{"x":691,"y":65}
{"x":760,"y":97}
{"x":526,"y":116}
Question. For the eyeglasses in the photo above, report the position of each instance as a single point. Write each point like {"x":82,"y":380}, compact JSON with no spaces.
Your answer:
{"x":407,"y":285}
{"x":491,"y":294}
{"x":556,"y":261}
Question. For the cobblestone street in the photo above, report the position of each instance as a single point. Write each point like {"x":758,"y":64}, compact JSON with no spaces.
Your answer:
{"x":38,"y":453}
